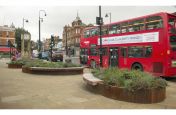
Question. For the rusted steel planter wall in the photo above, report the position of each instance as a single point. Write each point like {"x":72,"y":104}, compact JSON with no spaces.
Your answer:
{"x":53,"y":71}
{"x":122,"y":94}
{"x":15,"y":66}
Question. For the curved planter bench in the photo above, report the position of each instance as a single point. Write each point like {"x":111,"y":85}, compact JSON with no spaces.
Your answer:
{"x":15,"y":66}
{"x":53,"y":71}
{"x":122,"y":94}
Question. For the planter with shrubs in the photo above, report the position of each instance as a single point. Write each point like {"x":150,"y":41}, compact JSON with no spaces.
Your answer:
{"x":20,"y":62}
{"x":58,"y":68}
{"x":16,"y":64}
{"x":130,"y":86}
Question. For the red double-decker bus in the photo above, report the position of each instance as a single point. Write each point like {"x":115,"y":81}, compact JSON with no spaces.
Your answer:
{"x":146,"y":43}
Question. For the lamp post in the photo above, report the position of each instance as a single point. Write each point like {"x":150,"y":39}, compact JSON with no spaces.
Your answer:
{"x":100,"y":27}
{"x":108,"y":15}
{"x":22,"y":45}
{"x":40,"y":19}
{"x":24,"y":20}
{"x":66,"y":47}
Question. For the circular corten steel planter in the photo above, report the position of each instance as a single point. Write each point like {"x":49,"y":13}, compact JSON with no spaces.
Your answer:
{"x":15,"y":66}
{"x":139,"y":96}
{"x":53,"y":71}
{"x":122,"y":94}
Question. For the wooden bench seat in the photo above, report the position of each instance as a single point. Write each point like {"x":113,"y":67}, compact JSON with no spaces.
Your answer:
{"x":90,"y":79}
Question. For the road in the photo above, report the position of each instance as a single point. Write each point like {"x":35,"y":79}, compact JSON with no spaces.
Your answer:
{"x":27,"y":91}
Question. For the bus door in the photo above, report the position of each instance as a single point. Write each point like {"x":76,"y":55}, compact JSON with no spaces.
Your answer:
{"x":105,"y":57}
{"x":113,"y":57}
{"x":84,"y":56}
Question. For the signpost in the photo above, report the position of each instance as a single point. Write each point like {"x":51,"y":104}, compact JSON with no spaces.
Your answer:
{"x":99,"y":21}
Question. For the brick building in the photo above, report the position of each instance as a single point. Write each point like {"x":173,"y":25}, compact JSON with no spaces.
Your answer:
{"x":73,"y":34}
{"x":7,"y":33}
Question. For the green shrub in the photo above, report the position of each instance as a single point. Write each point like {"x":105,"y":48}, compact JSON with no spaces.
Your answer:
{"x":131,"y":80}
{"x":4,"y":55}
{"x":41,"y":63}
{"x":25,"y":61}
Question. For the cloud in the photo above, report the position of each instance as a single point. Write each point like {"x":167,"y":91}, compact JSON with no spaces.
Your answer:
{"x":59,"y":16}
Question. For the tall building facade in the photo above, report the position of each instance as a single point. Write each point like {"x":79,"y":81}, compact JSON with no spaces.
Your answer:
{"x":7,"y":33}
{"x":72,"y":34}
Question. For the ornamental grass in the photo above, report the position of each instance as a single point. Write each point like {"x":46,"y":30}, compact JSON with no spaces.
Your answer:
{"x":132,"y":80}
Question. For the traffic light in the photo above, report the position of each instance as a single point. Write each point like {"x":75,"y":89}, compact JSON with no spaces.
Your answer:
{"x":99,"y":21}
{"x":52,"y":41}
{"x":51,"y":45}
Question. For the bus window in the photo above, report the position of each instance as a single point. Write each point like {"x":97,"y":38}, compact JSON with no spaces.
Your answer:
{"x":93,"y":51}
{"x":172,"y":24}
{"x":148,"y":51}
{"x":135,"y":51}
{"x":173,"y":42}
{"x":114,"y":29}
{"x":94,"y":32}
{"x":136,"y":25}
{"x":124,"y":27}
{"x":104,"y":30}
{"x":124,"y":52}
{"x":84,"y":51}
{"x":154,"y":22}
{"x":104,"y":51}
{"x":86,"y":34}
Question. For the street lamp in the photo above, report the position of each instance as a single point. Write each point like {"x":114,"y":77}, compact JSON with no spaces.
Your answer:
{"x":39,"y":29}
{"x":22,"y":46}
{"x":108,"y":15}
{"x":24,"y":20}
{"x":66,"y":45}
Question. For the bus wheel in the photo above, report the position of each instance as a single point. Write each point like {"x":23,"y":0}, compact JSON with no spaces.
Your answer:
{"x":93,"y":64}
{"x":137,"y":66}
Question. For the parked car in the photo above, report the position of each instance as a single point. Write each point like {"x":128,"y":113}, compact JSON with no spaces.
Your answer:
{"x":35,"y":53}
{"x":57,"y":56}
{"x":44,"y":55}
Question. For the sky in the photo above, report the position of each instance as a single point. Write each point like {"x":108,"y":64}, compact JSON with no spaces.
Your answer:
{"x":59,"y":16}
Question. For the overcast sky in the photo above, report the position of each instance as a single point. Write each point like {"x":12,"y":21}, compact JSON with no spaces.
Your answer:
{"x":58,"y":16}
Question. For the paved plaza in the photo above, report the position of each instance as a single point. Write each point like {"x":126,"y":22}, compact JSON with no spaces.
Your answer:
{"x":20,"y":90}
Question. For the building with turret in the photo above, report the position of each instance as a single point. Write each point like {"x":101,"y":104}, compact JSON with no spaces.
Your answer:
{"x":72,"y":34}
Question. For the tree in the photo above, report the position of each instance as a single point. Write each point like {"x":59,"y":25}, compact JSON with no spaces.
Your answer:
{"x":18,"y":32}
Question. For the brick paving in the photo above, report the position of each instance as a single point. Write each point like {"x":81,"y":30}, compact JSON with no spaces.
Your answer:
{"x":20,"y":90}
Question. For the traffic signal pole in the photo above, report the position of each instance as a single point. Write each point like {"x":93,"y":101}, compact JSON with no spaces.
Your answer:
{"x":100,"y":35}
{"x":51,"y":46}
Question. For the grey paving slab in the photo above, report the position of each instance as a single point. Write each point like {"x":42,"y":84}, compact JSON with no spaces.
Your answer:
{"x":20,"y":90}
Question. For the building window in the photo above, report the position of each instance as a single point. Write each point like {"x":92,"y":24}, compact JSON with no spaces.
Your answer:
{"x":1,"y":34}
{"x":7,"y":34}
